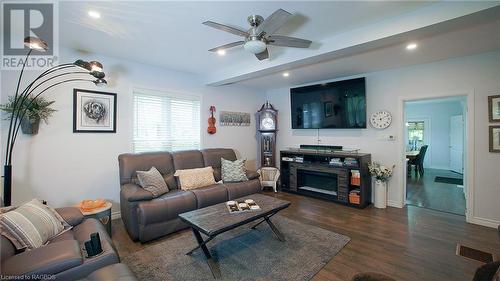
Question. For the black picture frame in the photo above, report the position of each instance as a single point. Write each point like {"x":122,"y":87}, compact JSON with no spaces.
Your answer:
{"x":78,"y":126}
{"x":493,"y":139}
{"x":494,"y":103}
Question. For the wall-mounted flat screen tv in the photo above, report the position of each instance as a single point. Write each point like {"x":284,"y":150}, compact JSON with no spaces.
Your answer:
{"x":335,"y":105}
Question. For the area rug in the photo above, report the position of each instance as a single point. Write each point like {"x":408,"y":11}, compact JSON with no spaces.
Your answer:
{"x":242,"y":254}
{"x":456,"y":181}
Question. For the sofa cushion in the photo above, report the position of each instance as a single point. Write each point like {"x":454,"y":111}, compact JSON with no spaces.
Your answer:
{"x":131,"y":162}
{"x":240,"y":189}
{"x":114,"y":272}
{"x":187,"y":159}
{"x":252,"y":175}
{"x":210,"y":195}
{"x":212,"y":156}
{"x":31,"y":225}
{"x":233,"y":171}
{"x":152,"y":181}
{"x":195,"y":178}
{"x":166,"y":207}
{"x":71,"y":215}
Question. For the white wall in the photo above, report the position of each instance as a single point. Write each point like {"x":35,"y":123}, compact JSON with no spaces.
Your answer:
{"x":64,"y":168}
{"x":437,"y":114}
{"x":478,"y":74}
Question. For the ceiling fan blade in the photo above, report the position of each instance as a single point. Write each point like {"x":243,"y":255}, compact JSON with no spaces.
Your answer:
{"x":285,"y":41}
{"x":273,"y":22}
{"x":227,"y":46}
{"x":233,"y":30}
{"x":263,"y":55}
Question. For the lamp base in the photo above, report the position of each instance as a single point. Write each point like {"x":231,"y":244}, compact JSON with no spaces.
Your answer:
{"x":7,"y":185}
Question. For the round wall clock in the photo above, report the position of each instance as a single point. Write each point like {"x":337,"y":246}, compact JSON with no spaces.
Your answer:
{"x":381,"y":119}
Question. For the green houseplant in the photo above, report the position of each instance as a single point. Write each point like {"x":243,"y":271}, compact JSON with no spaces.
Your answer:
{"x":37,"y":109}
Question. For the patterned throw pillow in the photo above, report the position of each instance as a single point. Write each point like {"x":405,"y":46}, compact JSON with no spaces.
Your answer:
{"x":152,"y":181}
{"x":195,"y":178}
{"x":32,"y":225}
{"x":233,"y":171}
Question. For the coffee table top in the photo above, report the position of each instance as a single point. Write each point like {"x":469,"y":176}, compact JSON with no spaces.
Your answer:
{"x":216,"y":219}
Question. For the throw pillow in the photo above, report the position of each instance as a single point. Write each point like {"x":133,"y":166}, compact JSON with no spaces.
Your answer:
{"x":195,"y":178}
{"x":32,"y":225}
{"x":233,"y":171}
{"x":152,"y":181}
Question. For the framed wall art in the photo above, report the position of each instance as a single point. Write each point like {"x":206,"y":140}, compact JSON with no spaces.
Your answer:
{"x":494,"y":108}
{"x":495,"y":139}
{"x":228,"y":118}
{"x":94,"y":111}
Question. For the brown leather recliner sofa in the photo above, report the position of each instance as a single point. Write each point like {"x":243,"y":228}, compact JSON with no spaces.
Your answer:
{"x":62,"y":258}
{"x":147,"y":218}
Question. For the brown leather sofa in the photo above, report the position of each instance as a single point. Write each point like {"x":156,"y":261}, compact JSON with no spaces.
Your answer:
{"x":63,"y":258}
{"x":147,"y":218}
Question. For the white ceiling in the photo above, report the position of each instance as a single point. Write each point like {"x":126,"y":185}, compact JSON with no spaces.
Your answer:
{"x":348,"y":37}
{"x":171,"y":34}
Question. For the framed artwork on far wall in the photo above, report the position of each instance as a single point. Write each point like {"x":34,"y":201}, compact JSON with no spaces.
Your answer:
{"x":494,"y":138}
{"x":94,"y":111}
{"x":494,"y":108}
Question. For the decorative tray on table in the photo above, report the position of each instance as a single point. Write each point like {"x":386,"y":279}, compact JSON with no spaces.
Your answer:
{"x":236,"y":207}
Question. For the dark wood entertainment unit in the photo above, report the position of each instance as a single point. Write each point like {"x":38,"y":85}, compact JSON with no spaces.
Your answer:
{"x":310,"y":172}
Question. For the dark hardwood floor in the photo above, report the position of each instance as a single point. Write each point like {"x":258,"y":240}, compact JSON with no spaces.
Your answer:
{"x":422,"y":191}
{"x":408,"y":244}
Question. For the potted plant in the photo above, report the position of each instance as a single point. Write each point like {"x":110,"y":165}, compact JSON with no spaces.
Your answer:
{"x":37,"y":109}
{"x":382,"y":174}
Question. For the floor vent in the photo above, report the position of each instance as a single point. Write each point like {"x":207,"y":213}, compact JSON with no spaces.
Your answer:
{"x":474,"y":254}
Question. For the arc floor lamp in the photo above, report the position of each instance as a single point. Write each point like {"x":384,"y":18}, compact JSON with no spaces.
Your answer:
{"x":57,"y":75}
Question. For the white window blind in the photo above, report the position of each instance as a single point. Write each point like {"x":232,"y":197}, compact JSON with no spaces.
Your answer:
{"x":165,"y":122}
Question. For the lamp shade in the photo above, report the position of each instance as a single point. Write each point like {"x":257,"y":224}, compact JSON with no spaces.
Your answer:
{"x":35,"y":43}
{"x":98,"y":74}
{"x":83,"y":64}
{"x":255,"y":46}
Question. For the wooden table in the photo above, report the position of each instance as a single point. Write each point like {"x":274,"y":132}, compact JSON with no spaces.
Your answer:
{"x":216,"y":219}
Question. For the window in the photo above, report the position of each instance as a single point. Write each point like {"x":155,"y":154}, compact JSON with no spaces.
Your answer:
{"x":415,"y":134}
{"x":165,"y":122}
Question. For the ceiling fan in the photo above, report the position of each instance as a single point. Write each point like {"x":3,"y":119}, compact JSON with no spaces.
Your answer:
{"x":260,"y":34}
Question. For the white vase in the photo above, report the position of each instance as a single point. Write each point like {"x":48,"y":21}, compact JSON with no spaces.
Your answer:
{"x":380,"y":189}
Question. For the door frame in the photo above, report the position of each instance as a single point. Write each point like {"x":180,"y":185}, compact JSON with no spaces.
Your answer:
{"x":469,"y":144}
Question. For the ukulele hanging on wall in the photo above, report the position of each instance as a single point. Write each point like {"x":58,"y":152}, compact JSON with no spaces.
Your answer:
{"x":211,"y":121}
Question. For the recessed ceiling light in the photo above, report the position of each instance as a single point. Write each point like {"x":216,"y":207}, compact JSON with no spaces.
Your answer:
{"x":286,"y":74}
{"x":411,"y":46}
{"x":221,"y":52}
{"x":94,"y":14}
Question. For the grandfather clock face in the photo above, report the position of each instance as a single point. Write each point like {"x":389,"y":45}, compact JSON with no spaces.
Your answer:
{"x":267,"y":121}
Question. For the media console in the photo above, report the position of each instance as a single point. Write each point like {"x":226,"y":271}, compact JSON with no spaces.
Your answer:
{"x":338,"y":176}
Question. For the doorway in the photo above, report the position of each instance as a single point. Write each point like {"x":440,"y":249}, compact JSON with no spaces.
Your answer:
{"x":434,"y":139}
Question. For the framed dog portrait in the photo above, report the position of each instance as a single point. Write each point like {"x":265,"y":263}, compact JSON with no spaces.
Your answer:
{"x":494,"y":108}
{"x":94,"y":112}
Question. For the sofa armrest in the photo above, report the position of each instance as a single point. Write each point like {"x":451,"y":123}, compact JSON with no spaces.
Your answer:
{"x":252,"y":175}
{"x":49,"y":259}
{"x":72,"y":215}
{"x":132,"y":192}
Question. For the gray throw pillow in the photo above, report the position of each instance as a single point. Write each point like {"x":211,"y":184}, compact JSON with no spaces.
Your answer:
{"x":233,"y":171}
{"x":152,"y":181}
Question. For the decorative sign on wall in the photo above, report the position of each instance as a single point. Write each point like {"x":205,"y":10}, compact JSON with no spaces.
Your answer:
{"x":228,"y":118}
{"x":94,"y":112}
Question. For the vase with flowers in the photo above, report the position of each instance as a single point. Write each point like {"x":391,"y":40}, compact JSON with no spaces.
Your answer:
{"x":382,"y":174}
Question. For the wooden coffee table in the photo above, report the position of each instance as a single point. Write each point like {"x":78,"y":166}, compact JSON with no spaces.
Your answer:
{"x":216,"y":219}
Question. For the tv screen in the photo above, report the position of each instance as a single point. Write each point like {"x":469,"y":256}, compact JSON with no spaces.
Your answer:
{"x":335,"y":105}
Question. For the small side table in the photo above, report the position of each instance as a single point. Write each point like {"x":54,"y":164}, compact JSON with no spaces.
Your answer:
{"x":102,"y":214}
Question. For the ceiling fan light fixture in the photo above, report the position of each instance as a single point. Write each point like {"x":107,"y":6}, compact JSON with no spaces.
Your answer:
{"x":255,"y":46}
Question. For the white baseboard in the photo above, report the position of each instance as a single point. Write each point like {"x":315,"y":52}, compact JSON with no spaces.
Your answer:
{"x":484,"y":222}
{"x":395,"y":204}
{"x":116,"y":215}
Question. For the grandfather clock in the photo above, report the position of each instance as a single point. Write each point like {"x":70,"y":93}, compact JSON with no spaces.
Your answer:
{"x":267,"y":126}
